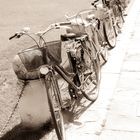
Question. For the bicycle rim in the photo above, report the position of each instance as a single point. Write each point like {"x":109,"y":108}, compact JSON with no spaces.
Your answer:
{"x":109,"y":33}
{"x":119,"y":18}
{"x":90,"y":86}
{"x":55,"y":109}
{"x":104,"y":55}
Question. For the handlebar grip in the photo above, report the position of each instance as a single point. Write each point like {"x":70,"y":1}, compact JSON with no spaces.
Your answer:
{"x":65,"y":23}
{"x":13,"y":36}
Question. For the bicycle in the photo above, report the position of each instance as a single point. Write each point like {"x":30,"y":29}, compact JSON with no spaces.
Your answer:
{"x":86,"y":22}
{"x":106,"y":25}
{"x":117,"y":9}
{"x":106,"y":17}
{"x":84,"y":78}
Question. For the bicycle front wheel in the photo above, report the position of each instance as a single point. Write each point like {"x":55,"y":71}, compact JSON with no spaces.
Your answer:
{"x":54,"y":102}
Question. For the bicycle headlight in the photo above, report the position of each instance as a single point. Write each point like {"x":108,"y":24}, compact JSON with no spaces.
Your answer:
{"x":44,"y":70}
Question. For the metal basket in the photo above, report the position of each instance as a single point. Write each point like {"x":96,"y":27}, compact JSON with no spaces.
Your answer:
{"x":34,"y":57}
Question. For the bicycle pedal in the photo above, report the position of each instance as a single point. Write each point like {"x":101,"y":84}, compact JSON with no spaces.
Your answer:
{"x":79,"y":95}
{"x":66,"y":106}
{"x":119,"y":31}
{"x":105,"y":43}
{"x":75,"y":96}
{"x":125,"y":14}
{"x":87,"y":72}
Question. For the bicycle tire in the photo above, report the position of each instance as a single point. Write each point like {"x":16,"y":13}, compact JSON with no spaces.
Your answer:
{"x":90,"y":84}
{"x":98,"y":40}
{"x":55,"y":108}
{"x":103,"y":51}
{"x":104,"y":55}
{"x":108,"y":29}
{"x":119,"y":19}
{"x":92,"y":95}
{"x":121,"y":14}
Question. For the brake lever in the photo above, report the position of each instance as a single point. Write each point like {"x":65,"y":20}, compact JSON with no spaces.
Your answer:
{"x":94,"y":3}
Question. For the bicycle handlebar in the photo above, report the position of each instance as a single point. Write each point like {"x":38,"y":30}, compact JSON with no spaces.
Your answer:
{"x":54,"y":26}
{"x":85,"y":11}
{"x":25,"y":30}
{"x":64,"y":23}
{"x":78,"y":19}
{"x":16,"y":35}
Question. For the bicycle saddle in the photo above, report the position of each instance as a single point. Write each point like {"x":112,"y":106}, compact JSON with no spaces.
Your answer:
{"x":66,"y":37}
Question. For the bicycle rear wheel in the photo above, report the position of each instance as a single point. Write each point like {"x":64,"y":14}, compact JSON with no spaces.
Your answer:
{"x":54,"y":102}
{"x":91,"y":84}
{"x":104,"y":55}
{"x":119,"y":19}
{"x":109,"y":33}
{"x":98,"y":41}
{"x":90,"y":76}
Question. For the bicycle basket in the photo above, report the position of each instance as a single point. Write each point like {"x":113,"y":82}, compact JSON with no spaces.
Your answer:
{"x":27,"y":62}
{"x":34,"y":57}
{"x":53,"y":51}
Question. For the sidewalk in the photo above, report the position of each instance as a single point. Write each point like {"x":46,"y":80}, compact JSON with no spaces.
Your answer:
{"x":123,"y":119}
{"x":112,"y":112}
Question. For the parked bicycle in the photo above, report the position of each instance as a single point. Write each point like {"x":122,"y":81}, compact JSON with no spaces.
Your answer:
{"x":116,"y":10}
{"x":88,"y":22}
{"x":43,"y":60}
{"x":107,"y":19}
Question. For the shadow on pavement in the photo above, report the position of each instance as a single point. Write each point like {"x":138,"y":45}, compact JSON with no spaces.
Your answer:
{"x":78,"y":107}
{"x":20,"y":133}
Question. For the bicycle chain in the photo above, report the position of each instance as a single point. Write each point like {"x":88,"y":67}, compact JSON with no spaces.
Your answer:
{"x":13,"y":111}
